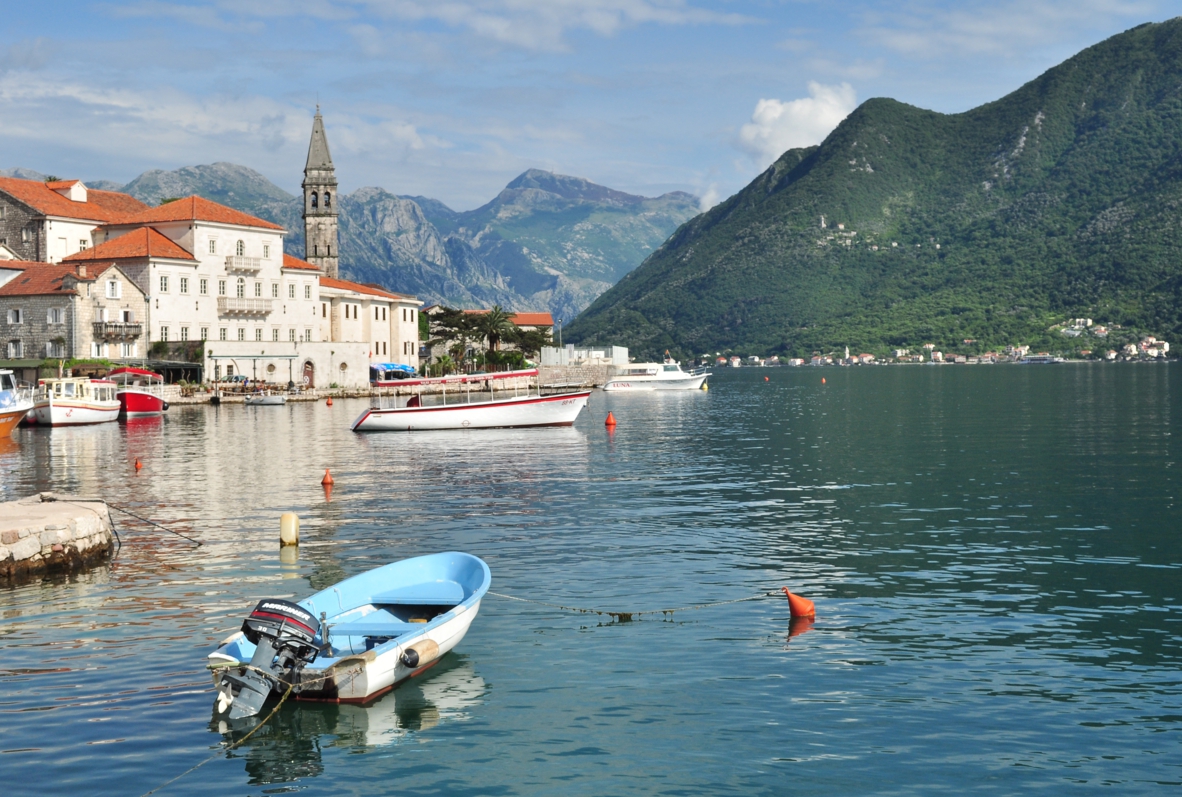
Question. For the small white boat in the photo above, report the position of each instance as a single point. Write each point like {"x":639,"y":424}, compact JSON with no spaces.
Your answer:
{"x":355,"y":640}
{"x":460,"y":409}
{"x":74,"y":401}
{"x":266,"y":399}
{"x":656,"y":376}
{"x":15,"y":402}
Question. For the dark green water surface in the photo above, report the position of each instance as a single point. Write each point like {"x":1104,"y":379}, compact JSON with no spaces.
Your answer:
{"x":994,"y":552}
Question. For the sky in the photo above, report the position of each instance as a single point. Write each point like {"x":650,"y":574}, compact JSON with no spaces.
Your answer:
{"x":452,"y":99}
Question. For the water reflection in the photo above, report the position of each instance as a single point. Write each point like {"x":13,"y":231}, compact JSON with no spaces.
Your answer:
{"x":291,"y":746}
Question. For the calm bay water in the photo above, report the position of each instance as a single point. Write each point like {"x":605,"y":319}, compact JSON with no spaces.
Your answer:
{"x":994,"y":552}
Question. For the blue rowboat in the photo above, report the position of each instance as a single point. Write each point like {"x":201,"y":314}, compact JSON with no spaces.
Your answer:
{"x":355,"y":640}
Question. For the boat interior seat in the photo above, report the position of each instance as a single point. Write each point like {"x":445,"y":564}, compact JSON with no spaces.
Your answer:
{"x":372,"y":627}
{"x":428,"y":593}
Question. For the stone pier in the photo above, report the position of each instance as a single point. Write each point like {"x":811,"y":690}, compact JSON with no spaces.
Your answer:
{"x":47,"y":533}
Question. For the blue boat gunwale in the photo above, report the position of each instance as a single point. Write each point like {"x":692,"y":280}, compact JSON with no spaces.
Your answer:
{"x":356,"y":593}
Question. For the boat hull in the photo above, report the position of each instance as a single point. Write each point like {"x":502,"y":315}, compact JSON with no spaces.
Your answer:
{"x":641,"y":383}
{"x":518,"y":412}
{"x":266,"y":401}
{"x":11,"y":417}
{"x":140,"y":404}
{"x":75,"y":413}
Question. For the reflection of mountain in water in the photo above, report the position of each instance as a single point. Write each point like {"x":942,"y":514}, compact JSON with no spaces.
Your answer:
{"x":289,"y":747}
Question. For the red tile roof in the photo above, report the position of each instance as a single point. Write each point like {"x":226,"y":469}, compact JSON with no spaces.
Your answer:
{"x":532,"y":319}
{"x":43,"y":278}
{"x":523,"y":319}
{"x":195,"y":208}
{"x":106,"y":206}
{"x":20,"y":265}
{"x":291,"y":261}
{"x":356,"y":287}
{"x":144,"y":242}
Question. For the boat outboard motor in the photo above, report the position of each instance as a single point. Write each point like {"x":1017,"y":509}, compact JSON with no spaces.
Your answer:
{"x":283,"y":633}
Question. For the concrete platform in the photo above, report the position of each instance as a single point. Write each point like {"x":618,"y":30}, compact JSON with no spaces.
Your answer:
{"x":47,"y":533}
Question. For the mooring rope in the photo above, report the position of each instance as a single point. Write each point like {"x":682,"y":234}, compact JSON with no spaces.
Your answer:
{"x":109,"y":505}
{"x":626,"y":616}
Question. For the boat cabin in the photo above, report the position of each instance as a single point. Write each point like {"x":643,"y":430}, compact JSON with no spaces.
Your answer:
{"x":79,"y":388}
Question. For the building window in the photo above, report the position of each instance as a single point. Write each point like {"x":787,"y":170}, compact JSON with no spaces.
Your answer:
{"x":266,"y":250}
{"x":55,"y":349}
{"x":221,"y":287}
{"x":291,"y":335}
{"x":307,"y":291}
{"x":383,"y":313}
{"x":314,"y":200}
{"x":275,"y":334}
{"x":56,"y":315}
{"x":184,"y":333}
{"x":327,"y":199}
{"x":324,"y":310}
{"x":164,"y":334}
{"x":240,"y":290}
{"x":203,"y":286}
{"x":222,"y":333}
{"x":258,"y":334}
{"x":184,"y":285}
{"x":412,"y":316}
{"x":83,"y":244}
{"x":241,"y":333}
{"x":15,"y":350}
{"x":308,"y":334}
{"x":258,"y":289}
{"x":291,"y":291}
{"x":128,"y":349}
{"x":274,"y":290}
{"x":164,"y":283}
{"x":213,"y":246}
{"x":404,"y":314}
{"x":205,"y":333}
{"x":240,"y":249}
{"x":16,"y":316}
{"x":26,"y":235}
{"x":127,"y":316}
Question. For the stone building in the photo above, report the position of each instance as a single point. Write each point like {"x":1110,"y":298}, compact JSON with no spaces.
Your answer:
{"x":320,"y":204}
{"x":47,"y":221}
{"x":67,"y":311}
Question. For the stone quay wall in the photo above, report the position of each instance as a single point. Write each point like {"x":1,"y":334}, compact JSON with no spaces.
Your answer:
{"x":574,"y":375}
{"x":45,"y":534}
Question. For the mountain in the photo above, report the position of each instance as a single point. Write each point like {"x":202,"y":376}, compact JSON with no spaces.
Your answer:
{"x":547,"y":242}
{"x":994,"y":226}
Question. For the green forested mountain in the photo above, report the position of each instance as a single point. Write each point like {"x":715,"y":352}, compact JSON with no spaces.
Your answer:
{"x":1062,"y":199}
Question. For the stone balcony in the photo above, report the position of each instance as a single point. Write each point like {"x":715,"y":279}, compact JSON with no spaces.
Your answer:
{"x":229,"y":305}
{"x":240,"y":264}
{"x":117,"y":330}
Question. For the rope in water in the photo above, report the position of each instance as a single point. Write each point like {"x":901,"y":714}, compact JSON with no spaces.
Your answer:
{"x":626,"y":616}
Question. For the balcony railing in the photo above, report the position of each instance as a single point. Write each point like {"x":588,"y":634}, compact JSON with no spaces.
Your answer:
{"x":229,"y":304}
{"x":240,"y":263}
{"x":117,"y":330}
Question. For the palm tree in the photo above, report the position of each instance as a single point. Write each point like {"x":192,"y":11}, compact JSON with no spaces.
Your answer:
{"x":493,"y":326}
{"x":445,"y":365}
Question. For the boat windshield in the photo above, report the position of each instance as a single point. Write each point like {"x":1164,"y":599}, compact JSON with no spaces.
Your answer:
{"x":68,"y":388}
{"x":673,"y":367}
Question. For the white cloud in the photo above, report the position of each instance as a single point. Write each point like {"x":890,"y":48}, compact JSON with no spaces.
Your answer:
{"x":777,"y":126}
{"x":709,"y":198}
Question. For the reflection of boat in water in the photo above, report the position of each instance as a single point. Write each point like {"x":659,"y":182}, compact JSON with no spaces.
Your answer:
{"x":291,"y":745}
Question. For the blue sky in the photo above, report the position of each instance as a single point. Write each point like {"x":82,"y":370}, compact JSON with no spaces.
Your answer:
{"x":453,"y":98}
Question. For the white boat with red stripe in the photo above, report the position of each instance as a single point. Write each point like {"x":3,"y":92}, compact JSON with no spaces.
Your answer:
{"x":469,"y":401}
{"x":75,"y":401}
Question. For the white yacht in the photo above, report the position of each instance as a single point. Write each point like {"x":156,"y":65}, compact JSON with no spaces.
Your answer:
{"x":656,"y":376}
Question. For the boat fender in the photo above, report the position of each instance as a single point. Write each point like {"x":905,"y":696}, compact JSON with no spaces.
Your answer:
{"x":166,"y":405}
{"x":420,"y":653}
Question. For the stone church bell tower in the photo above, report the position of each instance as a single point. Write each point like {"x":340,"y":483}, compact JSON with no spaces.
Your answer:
{"x":320,"y":203}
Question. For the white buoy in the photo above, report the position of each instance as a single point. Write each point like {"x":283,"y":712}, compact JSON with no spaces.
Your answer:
{"x":289,"y":529}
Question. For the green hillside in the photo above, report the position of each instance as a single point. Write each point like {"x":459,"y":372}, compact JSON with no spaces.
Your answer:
{"x":1057,"y":201}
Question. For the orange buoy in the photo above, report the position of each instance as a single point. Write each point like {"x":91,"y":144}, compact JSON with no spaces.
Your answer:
{"x":822,"y":380}
{"x":329,"y":402}
{"x":138,"y":464}
{"x":327,"y":478}
{"x":611,"y":420}
{"x":800,"y":607}
{"x":765,"y":379}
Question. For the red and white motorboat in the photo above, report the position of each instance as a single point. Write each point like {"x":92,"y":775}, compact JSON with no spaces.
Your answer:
{"x":74,"y":401}
{"x":140,"y":392}
{"x":462,"y":409}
